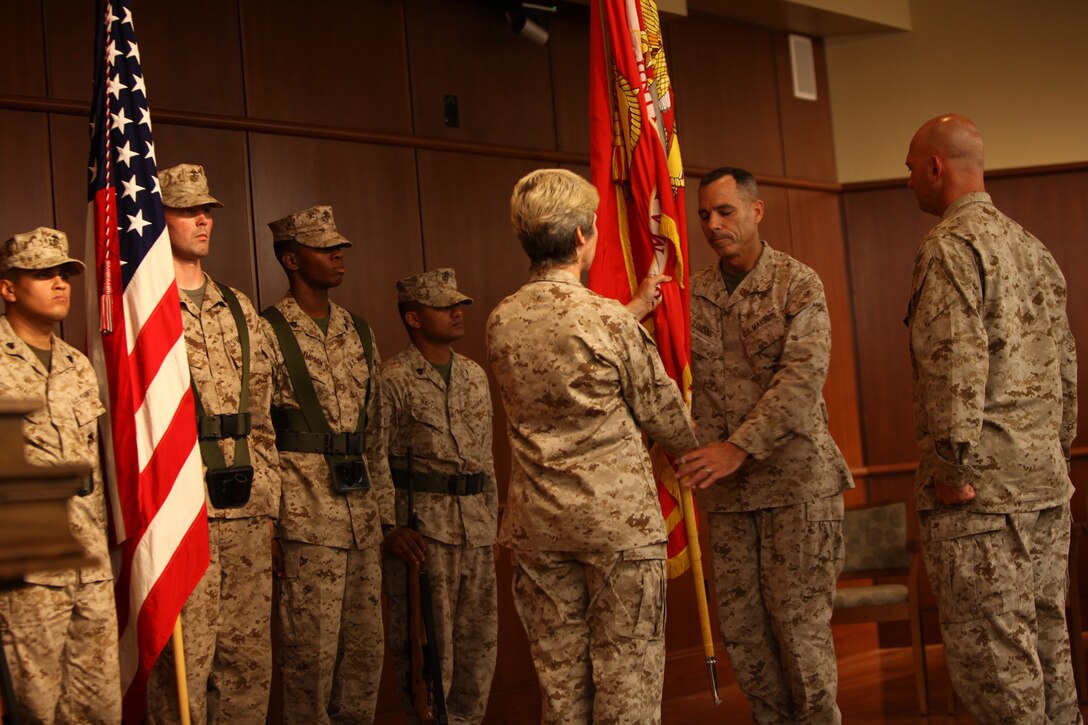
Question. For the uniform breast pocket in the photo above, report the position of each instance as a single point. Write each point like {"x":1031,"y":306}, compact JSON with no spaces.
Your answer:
{"x":765,"y":338}
{"x":430,"y":416}
{"x":87,"y":409}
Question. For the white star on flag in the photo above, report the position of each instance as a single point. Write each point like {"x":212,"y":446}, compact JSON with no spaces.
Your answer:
{"x":155,"y":189}
{"x":145,"y":118}
{"x":124,"y":153}
{"x":138,"y":85}
{"x":131,"y":188}
{"x":136,"y":223}
{"x":151,"y":156}
{"x":114,"y":86}
{"x":120,"y":121}
{"x":133,"y":51}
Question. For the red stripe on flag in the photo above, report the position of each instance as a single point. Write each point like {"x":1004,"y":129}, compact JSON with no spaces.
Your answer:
{"x":177,"y":443}
{"x":160,"y":332}
{"x":161,"y":607}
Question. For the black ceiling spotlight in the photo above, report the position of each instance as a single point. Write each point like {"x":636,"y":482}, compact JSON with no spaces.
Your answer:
{"x":523,"y":18}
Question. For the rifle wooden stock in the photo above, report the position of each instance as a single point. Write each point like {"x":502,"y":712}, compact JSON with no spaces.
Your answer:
{"x":417,"y":679}
{"x":424,"y":671}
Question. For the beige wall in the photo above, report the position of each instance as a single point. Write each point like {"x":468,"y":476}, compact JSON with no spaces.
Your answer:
{"x":1017,"y":68}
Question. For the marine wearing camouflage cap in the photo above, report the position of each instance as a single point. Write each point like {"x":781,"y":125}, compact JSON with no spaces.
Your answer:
{"x":436,"y":288}
{"x":313,"y":227}
{"x":39,"y":249}
{"x":185,"y":186}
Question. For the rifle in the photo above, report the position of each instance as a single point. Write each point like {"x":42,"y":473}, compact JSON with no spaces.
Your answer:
{"x":425,"y":670}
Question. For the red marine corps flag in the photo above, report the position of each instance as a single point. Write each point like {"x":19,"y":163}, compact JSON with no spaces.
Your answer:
{"x":157,"y":492}
{"x":636,"y":167}
{"x":635,"y":160}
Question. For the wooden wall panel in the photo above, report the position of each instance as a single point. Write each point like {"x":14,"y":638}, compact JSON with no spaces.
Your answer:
{"x":727,"y":105}
{"x":1055,"y":209}
{"x":502,"y":82}
{"x":26,"y":199}
{"x":69,"y":28}
{"x":372,"y":190}
{"x":818,"y":242}
{"x":883,"y":231}
{"x":70,"y":139}
{"x":23,"y":70}
{"x":807,"y":141}
{"x":327,"y":62}
{"x":568,"y":50}
{"x":223,"y":156}
{"x":191,"y":52}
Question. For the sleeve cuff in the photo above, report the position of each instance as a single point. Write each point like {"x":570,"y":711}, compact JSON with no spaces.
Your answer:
{"x":953,"y":474}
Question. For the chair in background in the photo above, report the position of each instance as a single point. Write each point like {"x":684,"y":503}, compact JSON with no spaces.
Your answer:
{"x":877,"y":547}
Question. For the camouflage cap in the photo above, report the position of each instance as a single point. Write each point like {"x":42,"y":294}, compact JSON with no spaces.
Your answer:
{"x":437,"y":288}
{"x":40,"y":249}
{"x":313,"y":227}
{"x":185,"y":186}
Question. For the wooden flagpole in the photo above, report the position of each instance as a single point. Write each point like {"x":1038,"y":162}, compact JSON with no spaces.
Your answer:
{"x":696,"y":557}
{"x":179,"y":672}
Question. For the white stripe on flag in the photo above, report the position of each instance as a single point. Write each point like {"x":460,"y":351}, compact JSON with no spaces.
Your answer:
{"x":147,"y":286}
{"x":161,"y":401}
{"x":162,"y":538}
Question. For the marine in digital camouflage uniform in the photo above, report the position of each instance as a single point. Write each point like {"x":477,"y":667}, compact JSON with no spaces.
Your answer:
{"x":771,"y":473}
{"x":329,"y":607}
{"x":439,"y":410}
{"x":580,"y":381}
{"x":995,"y":404}
{"x":227,"y":619}
{"x":59,"y":630}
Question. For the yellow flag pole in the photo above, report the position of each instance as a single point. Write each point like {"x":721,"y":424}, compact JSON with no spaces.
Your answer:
{"x":179,"y":672}
{"x":696,"y":557}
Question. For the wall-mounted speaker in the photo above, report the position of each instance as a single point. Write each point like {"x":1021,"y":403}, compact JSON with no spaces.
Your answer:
{"x":804,"y":67}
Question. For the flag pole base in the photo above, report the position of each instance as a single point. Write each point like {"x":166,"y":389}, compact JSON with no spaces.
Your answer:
{"x":712,"y":673}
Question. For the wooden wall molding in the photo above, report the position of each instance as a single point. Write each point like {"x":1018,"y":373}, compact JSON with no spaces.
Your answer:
{"x":1019,"y":172}
{"x":338,"y":133}
{"x":898,"y":469}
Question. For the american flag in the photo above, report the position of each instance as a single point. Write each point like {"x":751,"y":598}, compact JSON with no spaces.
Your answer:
{"x":157,"y":497}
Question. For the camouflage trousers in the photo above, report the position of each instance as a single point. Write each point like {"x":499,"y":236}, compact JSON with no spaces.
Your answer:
{"x":1001,"y":582}
{"x":330,"y":624}
{"x":61,"y":647}
{"x":226,"y":625}
{"x":596,"y":628}
{"x":464,"y":597}
{"x":774,"y":576}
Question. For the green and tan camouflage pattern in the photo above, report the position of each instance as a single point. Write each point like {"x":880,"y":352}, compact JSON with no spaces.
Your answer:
{"x":759,"y":359}
{"x":63,"y":625}
{"x":581,"y":381}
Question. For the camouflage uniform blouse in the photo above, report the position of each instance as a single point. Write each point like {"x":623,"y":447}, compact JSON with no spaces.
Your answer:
{"x":310,"y":511}
{"x":215,"y":364}
{"x":759,"y":359}
{"x":63,"y":431}
{"x":448,"y":431}
{"x":994,"y":363}
{"x":579,"y":377}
